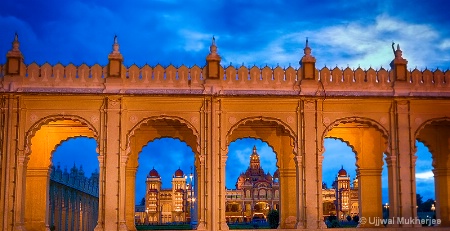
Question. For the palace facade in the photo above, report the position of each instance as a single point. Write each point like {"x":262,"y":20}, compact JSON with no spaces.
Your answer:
{"x":255,"y":195}
{"x":73,"y":199}
{"x":167,"y":205}
{"x":341,"y":200}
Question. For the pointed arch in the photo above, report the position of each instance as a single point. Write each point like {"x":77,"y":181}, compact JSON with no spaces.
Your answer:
{"x":55,"y":118}
{"x":148,"y":120}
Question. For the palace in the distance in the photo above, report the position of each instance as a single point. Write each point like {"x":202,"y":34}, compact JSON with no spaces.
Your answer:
{"x":256,"y":193}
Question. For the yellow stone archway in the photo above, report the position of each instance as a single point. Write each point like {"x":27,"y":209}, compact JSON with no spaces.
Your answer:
{"x":368,"y":140}
{"x":280,"y":138}
{"x":43,"y":139}
{"x":145,"y":131}
{"x":435,"y":134}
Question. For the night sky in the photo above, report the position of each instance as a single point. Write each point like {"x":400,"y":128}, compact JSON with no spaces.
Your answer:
{"x":341,"y":33}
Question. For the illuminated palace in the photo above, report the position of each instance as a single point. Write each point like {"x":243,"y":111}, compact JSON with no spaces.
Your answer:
{"x":255,"y":194}
{"x":166,"y":205}
{"x":341,"y":200}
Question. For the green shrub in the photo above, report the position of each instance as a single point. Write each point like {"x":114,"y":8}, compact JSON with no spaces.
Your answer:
{"x":273,"y":218}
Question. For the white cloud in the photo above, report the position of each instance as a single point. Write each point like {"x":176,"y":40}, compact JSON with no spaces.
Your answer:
{"x":445,"y":44}
{"x":425,"y":175}
{"x":193,"y":40}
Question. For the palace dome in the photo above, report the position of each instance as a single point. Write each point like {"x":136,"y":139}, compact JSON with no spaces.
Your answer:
{"x":342,"y":172}
{"x":153,"y":173}
{"x":179,"y":173}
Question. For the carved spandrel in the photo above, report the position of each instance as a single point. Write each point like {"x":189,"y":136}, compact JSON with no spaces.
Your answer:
{"x":309,"y":105}
{"x":114,"y":102}
{"x":403,"y":106}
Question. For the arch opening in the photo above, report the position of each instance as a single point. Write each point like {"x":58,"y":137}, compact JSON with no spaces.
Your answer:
{"x":252,"y":178}
{"x":73,"y":193}
{"x":44,"y":139}
{"x":365,"y":145}
{"x":282,"y":141}
{"x":164,"y":185}
{"x":434,"y":134}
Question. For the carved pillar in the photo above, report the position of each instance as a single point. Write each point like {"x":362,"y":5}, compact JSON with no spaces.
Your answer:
{"x":111,"y":136}
{"x":130,"y":202}
{"x":370,"y":204}
{"x":442,"y":187}
{"x":394,"y":203}
{"x":20,"y":192}
{"x":404,"y":143}
{"x":123,"y":194}
{"x":320,"y":158}
{"x":101,"y":195}
{"x":300,"y":194}
{"x":310,"y":151}
{"x":201,"y":197}
{"x":222,"y":193}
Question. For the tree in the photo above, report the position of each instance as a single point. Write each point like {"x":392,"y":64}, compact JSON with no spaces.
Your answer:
{"x":273,"y":218}
{"x":356,"y":219}
{"x":142,"y":201}
{"x":419,"y":201}
{"x":349,"y":218}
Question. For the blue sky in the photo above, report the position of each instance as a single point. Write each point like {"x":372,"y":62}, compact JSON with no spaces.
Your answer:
{"x":341,"y":32}
{"x":251,"y":32}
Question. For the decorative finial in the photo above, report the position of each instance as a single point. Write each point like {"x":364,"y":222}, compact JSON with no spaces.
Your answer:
{"x":306,"y":42}
{"x":115,"y":46}
{"x":213,"y":41}
{"x":16,"y":37}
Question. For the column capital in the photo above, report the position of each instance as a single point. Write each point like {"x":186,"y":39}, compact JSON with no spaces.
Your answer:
{"x":123,"y":159}
{"x":369,"y":171}
{"x":201,"y":159}
{"x":391,"y":160}
{"x":320,"y":160}
{"x":298,"y":160}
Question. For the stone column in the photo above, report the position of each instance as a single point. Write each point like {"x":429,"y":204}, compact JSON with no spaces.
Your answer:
{"x":300,"y":194}
{"x":130,"y":205}
{"x":394,"y":203}
{"x":201,"y":199}
{"x":112,"y":138}
{"x":442,"y":187}
{"x":101,"y":195}
{"x":123,"y":194}
{"x":20,"y":193}
{"x":320,"y":158}
{"x":222,"y":193}
{"x":404,"y":141}
{"x":370,"y":204}
{"x":309,"y":150}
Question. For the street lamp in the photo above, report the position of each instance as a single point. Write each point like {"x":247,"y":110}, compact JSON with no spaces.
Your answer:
{"x":386,"y":208}
{"x":192,"y":200}
{"x":433,"y":209}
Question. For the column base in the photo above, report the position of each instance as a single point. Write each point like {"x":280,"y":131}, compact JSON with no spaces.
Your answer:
{"x":19,"y":227}
{"x":224,"y":226}
{"x":299,"y":225}
{"x":99,"y":227}
{"x":201,"y":226}
{"x":123,"y":226}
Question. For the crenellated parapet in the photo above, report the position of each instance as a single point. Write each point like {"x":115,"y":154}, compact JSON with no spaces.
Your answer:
{"x":76,"y":180}
{"x":217,"y":79}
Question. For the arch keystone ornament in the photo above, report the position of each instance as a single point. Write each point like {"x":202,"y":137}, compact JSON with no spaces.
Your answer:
{"x":208,"y":107}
